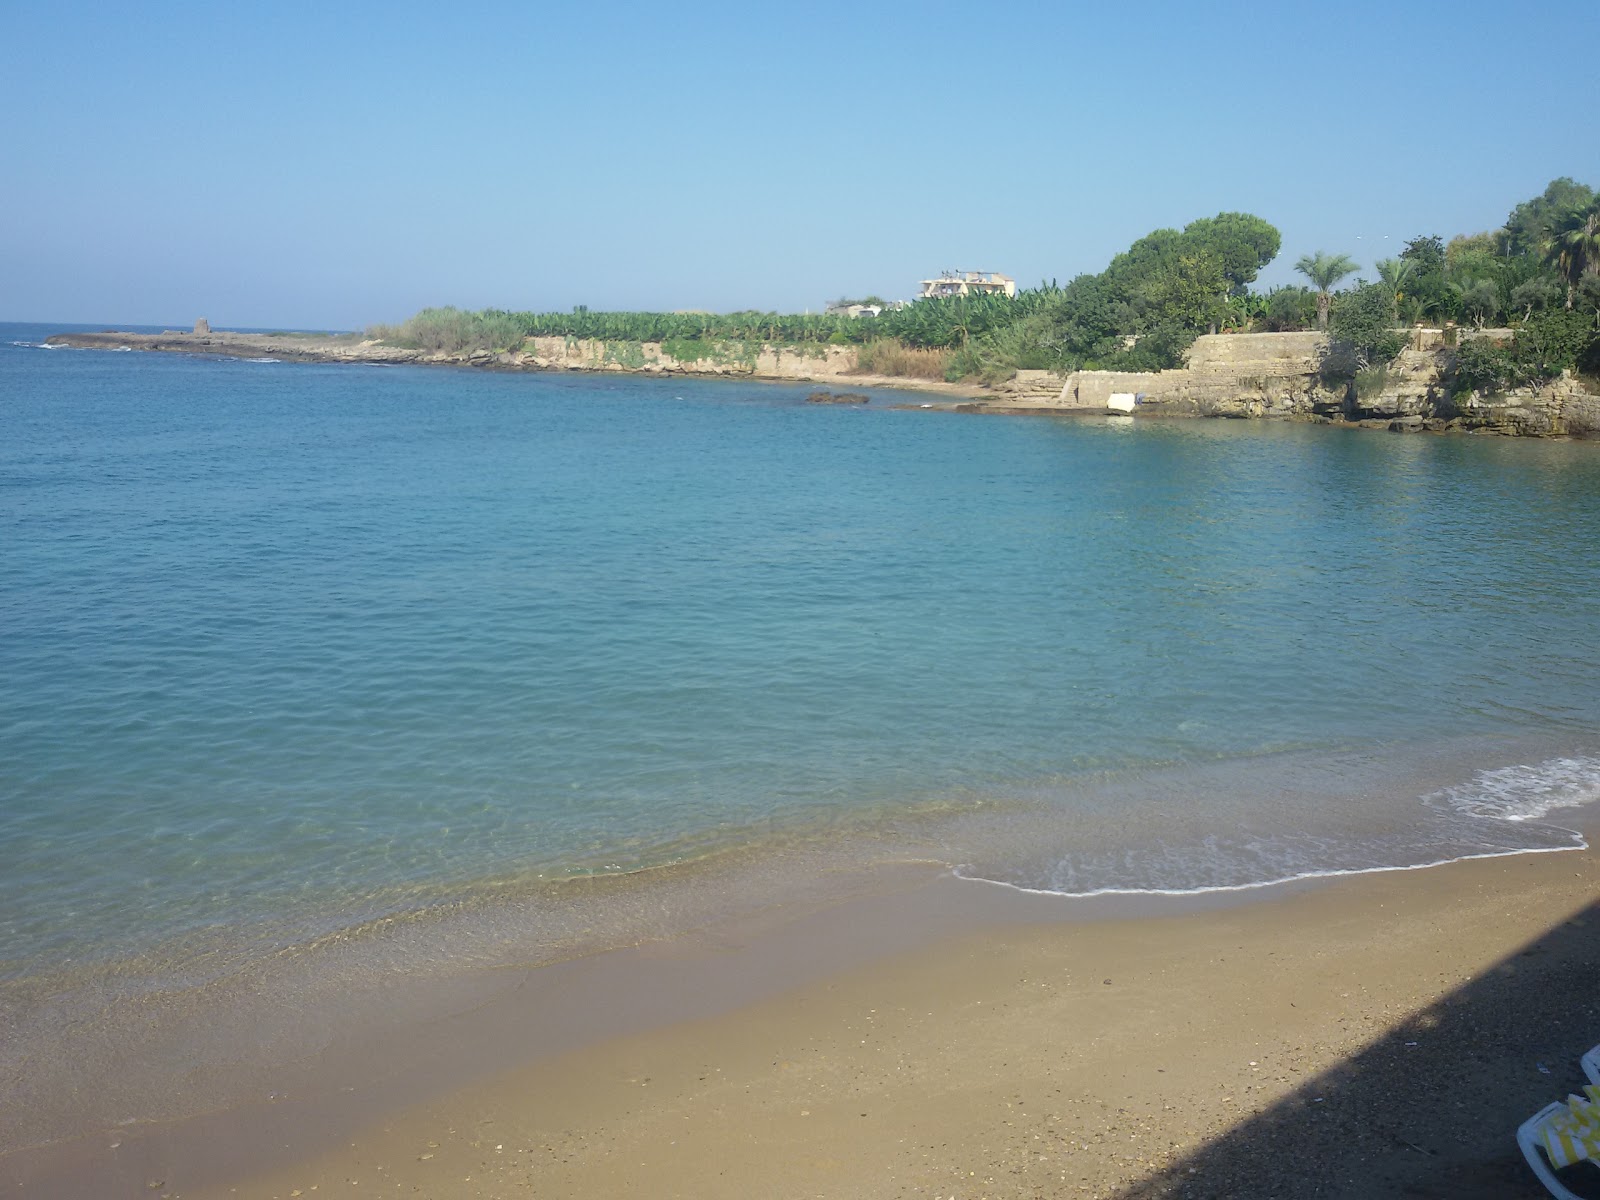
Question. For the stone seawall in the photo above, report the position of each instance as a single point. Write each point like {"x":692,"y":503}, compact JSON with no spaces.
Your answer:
{"x":1228,"y":375}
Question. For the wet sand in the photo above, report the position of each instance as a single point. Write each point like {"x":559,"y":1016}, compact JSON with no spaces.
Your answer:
{"x":1374,"y":1036}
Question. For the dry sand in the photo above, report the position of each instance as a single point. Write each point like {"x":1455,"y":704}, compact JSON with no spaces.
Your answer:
{"x":1377,"y":1036}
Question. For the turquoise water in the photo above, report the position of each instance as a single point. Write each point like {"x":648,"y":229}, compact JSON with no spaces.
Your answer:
{"x":290,"y":647}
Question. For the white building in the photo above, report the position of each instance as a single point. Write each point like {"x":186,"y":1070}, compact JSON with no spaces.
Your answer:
{"x":969,"y":283}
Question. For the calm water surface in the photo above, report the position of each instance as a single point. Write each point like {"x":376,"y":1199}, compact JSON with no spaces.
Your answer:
{"x":285,"y":648}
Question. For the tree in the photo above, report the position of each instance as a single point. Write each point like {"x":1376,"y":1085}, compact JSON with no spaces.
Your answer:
{"x":1394,"y":272}
{"x":1190,"y":293}
{"x":1084,"y":320}
{"x":1531,"y":223}
{"x":1242,"y":242}
{"x":1470,"y":260}
{"x":1535,"y":295}
{"x":1430,"y":293}
{"x":1574,"y":247}
{"x":1553,"y":341}
{"x":1481,"y":302}
{"x":1325,"y":270}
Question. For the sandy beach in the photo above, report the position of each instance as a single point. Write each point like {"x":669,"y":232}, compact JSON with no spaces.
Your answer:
{"x":1377,"y":1035}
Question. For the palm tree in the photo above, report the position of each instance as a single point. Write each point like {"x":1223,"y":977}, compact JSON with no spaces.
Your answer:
{"x":1325,"y":270}
{"x":1394,"y":272}
{"x":1574,"y":247}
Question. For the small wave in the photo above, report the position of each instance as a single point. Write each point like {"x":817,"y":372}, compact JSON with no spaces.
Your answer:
{"x":1258,"y":884}
{"x":264,"y":360}
{"x":1497,"y":812}
{"x":1525,"y":793}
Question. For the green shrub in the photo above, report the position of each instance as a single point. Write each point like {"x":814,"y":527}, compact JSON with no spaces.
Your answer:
{"x":1362,"y":324}
{"x":1370,"y":381}
{"x":1482,"y":366}
{"x":1554,"y":340}
{"x":629,"y":355}
{"x":687,"y":350}
{"x":452,"y":331}
{"x":1290,"y":309}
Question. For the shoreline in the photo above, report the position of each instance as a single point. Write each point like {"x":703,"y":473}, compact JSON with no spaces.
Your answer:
{"x":314,"y":1041}
{"x":356,"y":349}
{"x":752,"y":1044}
{"x":1236,"y":386}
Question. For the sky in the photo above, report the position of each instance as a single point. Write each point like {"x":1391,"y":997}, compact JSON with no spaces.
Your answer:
{"x":329,"y":166}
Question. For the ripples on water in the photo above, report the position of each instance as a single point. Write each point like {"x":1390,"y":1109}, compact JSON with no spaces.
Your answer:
{"x":290,"y":648}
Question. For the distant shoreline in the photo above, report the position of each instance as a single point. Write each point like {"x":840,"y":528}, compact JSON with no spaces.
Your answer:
{"x":357,"y":348}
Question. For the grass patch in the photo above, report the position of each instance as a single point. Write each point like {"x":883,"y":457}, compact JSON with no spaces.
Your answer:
{"x":1370,"y":381}
{"x":886,"y":356}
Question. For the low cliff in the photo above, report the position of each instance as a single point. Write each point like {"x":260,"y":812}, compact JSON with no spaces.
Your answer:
{"x":758,"y":359}
{"x":1279,"y":375}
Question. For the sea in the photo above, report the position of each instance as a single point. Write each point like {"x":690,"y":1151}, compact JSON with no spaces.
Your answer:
{"x":296,"y":655}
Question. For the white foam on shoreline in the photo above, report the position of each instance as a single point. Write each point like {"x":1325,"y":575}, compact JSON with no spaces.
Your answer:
{"x":1260,"y":885}
{"x":1499,"y":812}
{"x":1526,"y":793}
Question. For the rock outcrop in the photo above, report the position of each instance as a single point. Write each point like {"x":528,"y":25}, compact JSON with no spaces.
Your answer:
{"x":1562,"y":408}
{"x":1279,"y":375}
{"x":1228,"y":375}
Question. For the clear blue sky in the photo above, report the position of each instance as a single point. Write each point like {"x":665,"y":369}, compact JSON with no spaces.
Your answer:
{"x":332,"y":165}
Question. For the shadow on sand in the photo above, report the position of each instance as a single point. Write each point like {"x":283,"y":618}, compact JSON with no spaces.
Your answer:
{"x":1430,"y":1109}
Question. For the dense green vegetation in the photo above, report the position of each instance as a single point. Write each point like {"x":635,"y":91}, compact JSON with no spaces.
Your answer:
{"x":928,"y":324}
{"x":1536,"y":274}
{"x":1143,"y":311}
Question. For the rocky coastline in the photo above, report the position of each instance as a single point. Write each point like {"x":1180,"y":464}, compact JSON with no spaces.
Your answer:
{"x":1280,"y":376}
{"x":824,"y":364}
{"x":1247,"y":376}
